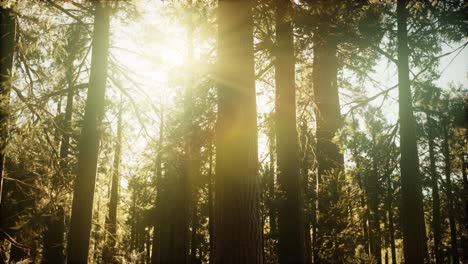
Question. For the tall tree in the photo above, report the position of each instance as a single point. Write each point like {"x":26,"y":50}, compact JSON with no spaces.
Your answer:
{"x":448,"y":190}
{"x":237,"y":225}
{"x":7,"y":48}
{"x":436,"y":224}
{"x":155,"y":251}
{"x":291,"y":239}
{"x":83,"y":193}
{"x":414,"y":234}
{"x":111,"y":219}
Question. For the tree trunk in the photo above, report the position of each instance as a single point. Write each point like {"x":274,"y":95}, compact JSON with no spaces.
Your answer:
{"x":7,"y":48}
{"x":272,"y":210}
{"x":83,"y":193}
{"x":436,"y":224}
{"x":412,"y":215}
{"x":465,"y":201}
{"x":391,"y":229}
{"x":373,"y":200}
{"x":54,"y":234}
{"x":330,"y":161}
{"x":448,"y":190}
{"x":237,"y":225}
{"x":307,"y":190}
{"x":155,"y":254}
{"x":291,"y":239}
{"x":111,"y":219}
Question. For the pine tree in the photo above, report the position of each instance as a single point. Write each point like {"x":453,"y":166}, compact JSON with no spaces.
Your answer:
{"x":83,"y":193}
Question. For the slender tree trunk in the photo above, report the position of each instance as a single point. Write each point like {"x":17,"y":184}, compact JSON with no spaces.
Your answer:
{"x":194,"y":245}
{"x":272,"y":210}
{"x":412,"y":215}
{"x":111,"y":219}
{"x":305,"y":182}
{"x":291,"y":239}
{"x":83,"y":193}
{"x":155,"y":255}
{"x":237,"y":224}
{"x":54,"y":239}
{"x":436,"y":224}
{"x":448,"y":190}
{"x":210,"y":201}
{"x":373,"y":199}
{"x":7,"y":48}
{"x":391,"y":228}
{"x":465,"y":201}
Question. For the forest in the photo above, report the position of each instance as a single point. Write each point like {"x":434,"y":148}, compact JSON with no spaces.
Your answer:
{"x":234,"y":131}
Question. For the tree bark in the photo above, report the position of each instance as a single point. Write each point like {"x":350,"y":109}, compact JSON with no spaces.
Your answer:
{"x":436,"y":223}
{"x":237,"y":225}
{"x":83,"y":193}
{"x":291,"y":237}
{"x":412,"y":215}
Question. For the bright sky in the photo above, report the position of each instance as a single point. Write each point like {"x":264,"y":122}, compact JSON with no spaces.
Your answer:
{"x":153,"y":46}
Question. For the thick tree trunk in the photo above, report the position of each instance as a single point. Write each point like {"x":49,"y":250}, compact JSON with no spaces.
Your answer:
{"x":7,"y":48}
{"x":291,"y":239}
{"x":449,"y":194}
{"x":111,"y":219}
{"x":330,"y":161}
{"x":412,"y":215}
{"x":237,"y":225}
{"x":83,"y":193}
{"x":436,"y":224}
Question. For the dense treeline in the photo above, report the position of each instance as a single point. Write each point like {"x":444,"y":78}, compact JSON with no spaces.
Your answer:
{"x":202,"y":131}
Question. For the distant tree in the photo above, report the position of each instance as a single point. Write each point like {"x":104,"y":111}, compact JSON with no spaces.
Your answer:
{"x":111,"y":218}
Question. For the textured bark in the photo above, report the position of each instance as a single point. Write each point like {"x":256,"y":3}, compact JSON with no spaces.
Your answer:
{"x":412,"y":215}
{"x":436,"y":223}
{"x":237,"y":225}
{"x":272,"y":210}
{"x":7,"y":48}
{"x":111,"y":219}
{"x":83,"y":193}
{"x":449,"y":193}
{"x":291,"y":238}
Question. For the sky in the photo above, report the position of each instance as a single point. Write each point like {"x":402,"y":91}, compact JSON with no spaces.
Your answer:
{"x":152,"y":47}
